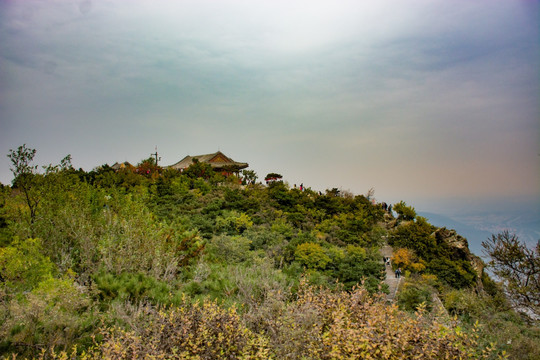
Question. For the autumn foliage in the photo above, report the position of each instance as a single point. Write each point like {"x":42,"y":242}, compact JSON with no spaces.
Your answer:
{"x":319,"y":324}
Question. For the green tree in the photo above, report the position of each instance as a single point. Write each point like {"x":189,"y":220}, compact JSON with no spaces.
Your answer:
{"x":25,"y":177}
{"x":415,"y":235}
{"x":199,"y":170}
{"x":250,"y":176}
{"x":279,"y":192}
{"x":358,"y":266}
{"x":273,"y":177}
{"x":518,"y":267}
{"x":405,"y":213}
{"x":312,"y":255}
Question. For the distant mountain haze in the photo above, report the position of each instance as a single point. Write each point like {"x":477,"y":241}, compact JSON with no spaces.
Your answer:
{"x":478,"y":225}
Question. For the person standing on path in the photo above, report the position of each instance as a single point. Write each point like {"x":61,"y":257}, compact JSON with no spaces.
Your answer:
{"x":392,"y":281}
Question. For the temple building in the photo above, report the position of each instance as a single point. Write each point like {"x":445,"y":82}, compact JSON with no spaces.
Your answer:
{"x":219,"y":162}
{"x":122,"y":166}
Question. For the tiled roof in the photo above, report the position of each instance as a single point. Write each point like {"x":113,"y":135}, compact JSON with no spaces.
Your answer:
{"x":216,"y":160}
{"x":118,"y":166}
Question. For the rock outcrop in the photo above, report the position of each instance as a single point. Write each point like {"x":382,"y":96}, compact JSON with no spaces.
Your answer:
{"x":460,"y":246}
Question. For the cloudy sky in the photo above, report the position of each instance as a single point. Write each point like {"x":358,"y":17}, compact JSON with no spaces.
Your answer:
{"x":429,"y":101}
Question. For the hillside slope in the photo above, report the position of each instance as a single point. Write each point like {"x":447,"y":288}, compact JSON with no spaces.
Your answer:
{"x":201,"y":266}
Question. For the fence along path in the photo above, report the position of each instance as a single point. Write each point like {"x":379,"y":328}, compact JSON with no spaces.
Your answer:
{"x":391,"y":281}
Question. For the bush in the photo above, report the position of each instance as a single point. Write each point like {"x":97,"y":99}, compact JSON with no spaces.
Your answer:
{"x":229,"y":249}
{"x":191,"y":331}
{"x":323,"y":324}
{"x":505,"y":328}
{"x":233,"y":223}
{"x":131,"y":287}
{"x":358,"y":266}
{"x":458,"y":274}
{"x":135,"y":242}
{"x":312,"y":256}
{"x":413,"y":295}
{"x":57,"y":313}
{"x":23,"y":265}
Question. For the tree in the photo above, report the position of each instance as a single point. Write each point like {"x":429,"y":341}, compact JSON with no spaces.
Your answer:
{"x":24,"y":176}
{"x":148,"y":168}
{"x":199,"y":170}
{"x":250,"y":176}
{"x":273,"y":177}
{"x":405,"y":213}
{"x":415,"y":235}
{"x":312,"y":255}
{"x":518,"y":267}
{"x":407,"y":259}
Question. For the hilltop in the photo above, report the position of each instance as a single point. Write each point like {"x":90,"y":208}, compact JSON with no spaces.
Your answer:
{"x":202,"y":265}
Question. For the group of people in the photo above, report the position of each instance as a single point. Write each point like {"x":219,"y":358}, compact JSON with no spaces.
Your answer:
{"x":386,"y":261}
{"x":387,"y":207}
{"x":302,"y":188}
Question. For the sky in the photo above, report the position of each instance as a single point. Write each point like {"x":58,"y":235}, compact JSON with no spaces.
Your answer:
{"x":433,"y":102}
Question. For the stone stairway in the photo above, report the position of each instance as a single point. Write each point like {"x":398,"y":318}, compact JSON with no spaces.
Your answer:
{"x":391,"y":281}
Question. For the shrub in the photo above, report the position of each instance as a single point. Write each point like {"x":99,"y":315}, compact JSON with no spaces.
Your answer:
{"x":57,"y":313}
{"x":211,"y":280}
{"x":132,"y":287}
{"x":458,"y":274}
{"x":323,"y":324}
{"x":358,"y":266}
{"x":23,"y":265}
{"x":505,"y":328}
{"x":232,"y":223}
{"x":230,"y":249}
{"x":311,"y":255}
{"x":413,"y":295}
{"x":190,"y":331}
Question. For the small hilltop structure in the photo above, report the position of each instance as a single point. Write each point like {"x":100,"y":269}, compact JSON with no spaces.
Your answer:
{"x":122,"y":166}
{"x":218,"y":161}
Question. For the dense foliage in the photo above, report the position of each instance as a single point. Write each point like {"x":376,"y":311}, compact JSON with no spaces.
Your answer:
{"x":430,"y":253}
{"x":145,"y":262}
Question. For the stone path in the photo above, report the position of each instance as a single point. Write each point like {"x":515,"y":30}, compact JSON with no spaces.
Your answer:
{"x":391,"y":280}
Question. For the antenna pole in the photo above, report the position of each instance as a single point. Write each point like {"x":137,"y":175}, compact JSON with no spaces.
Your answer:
{"x":156,"y":155}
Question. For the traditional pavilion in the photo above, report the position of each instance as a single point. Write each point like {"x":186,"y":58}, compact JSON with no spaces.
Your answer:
{"x":121,"y":166}
{"x":219,"y":162}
